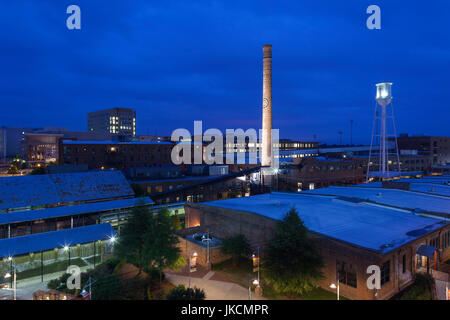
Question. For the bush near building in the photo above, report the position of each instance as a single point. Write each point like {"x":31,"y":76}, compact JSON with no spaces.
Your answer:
{"x":183,"y":293}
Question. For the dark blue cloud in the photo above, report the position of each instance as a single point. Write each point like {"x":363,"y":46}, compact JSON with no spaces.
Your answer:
{"x":180,"y":61}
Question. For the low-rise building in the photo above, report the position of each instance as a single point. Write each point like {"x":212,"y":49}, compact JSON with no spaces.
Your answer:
{"x":318,"y":172}
{"x":48,"y":222}
{"x":351,"y":234}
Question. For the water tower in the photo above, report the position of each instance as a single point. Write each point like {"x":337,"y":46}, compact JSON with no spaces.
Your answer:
{"x":384,"y":128}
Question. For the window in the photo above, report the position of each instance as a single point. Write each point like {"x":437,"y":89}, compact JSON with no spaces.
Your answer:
{"x":347,"y":274}
{"x":434,"y":242}
{"x":404,"y":263}
{"x":385,"y":272}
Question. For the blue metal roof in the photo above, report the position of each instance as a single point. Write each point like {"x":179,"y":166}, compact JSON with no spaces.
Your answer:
{"x":55,"y":239}
{"x":34,"y":190}
{"x":375,"y":227}
{"x":30,"y":215}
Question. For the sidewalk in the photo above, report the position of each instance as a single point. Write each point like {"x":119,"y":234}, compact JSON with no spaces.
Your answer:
{"x":214,"y":286}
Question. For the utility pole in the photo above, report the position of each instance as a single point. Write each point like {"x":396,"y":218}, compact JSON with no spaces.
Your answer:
{"x":340,"y":137}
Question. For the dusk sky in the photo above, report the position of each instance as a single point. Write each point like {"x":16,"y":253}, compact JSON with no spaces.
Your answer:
{"x":180,"y":61}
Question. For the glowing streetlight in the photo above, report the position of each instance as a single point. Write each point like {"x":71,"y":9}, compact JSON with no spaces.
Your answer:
{"x":335,"y":285}
{"x":8,"y":275}
{"x":67,"y":249}
{"x":113,"y":239}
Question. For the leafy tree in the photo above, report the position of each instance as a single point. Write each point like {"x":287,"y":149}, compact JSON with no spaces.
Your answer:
{"x":131,"y":243}
{"x":292,"y":263}
{"x":181,"y":293}
{"x":160,"y":244}
{"x":236,"y":247}
{"x":148,"y":240}
{"x":176,"y":222}
{"x":13,"y":169}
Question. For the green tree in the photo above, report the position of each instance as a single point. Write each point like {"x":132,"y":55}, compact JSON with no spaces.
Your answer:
{"x":13,"y":169}
{"x":148,"y":240}
{"x":176,"y":222}
{"x":292,"y":263}
{"x":236,"y":247}
{"x":161,"y":244}
{"x":181,"y":293}
{"x":131,"y":243}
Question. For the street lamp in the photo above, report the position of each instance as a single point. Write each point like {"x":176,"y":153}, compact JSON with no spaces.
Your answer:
{"x":112,"y":240}
{"x":257,"y":264}
{"x":208,"y":240}
{"x":250,"y":282}
{"x":8,"y":275}
{"x":335,"y":285}
{"x":67,"y":249}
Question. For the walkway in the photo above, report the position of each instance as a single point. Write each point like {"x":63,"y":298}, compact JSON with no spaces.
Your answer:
{"x":215,"y":286}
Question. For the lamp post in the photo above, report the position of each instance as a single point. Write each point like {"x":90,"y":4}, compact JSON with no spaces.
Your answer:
{"x":254,"y":282}
{"x":335,"y":285}
{"x":257,"y":282}
{"x":207,"y":239}
{"x":66,"y":248}
{"x":189,"y":265}
{"x":14,"y":278}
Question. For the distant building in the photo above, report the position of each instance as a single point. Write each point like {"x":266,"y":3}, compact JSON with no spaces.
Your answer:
{"x":288,"y":144}
{"x":115,"y":121}
{"x":118,"y":155}
{"x":11,"y":139}
{"x":42,"y":147}
{"x":153,"y":138}
{"x":437,"y":149}
{"x":318,"y":172}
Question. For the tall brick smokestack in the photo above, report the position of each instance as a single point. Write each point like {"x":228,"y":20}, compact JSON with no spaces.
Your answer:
{"x":266,"y":153}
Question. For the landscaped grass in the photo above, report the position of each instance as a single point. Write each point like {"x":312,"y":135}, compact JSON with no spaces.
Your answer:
{"x":238,"y":273}
{"x":50,"y":268}
{"x":90,"y":260}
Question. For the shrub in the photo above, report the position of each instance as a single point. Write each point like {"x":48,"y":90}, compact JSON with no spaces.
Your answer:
{"x":181,"y":293}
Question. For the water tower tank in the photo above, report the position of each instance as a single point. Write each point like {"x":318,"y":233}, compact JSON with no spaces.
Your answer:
{"x":384,"y":93}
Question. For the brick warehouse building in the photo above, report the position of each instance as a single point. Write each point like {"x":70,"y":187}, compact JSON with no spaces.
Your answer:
{"x":318,"y":172}
{"x":119,"y":155}
{"x":351,"y":234}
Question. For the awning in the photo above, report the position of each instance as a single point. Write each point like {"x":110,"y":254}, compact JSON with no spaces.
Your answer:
{"x":427,"y":251}
{"x":55,"y":239}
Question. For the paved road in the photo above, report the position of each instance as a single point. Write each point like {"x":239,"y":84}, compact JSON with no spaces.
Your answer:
{"x":214,"y":289}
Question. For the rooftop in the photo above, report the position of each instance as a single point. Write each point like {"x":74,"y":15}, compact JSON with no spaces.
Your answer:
{"x":35,"y":190}
{"x":29,"y":215}
{"x":392,"y":197}
{"x":56,"y":239}
{"x":424,"y":187}
{"x":360,"y":224}
{"x":116,"y":142}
